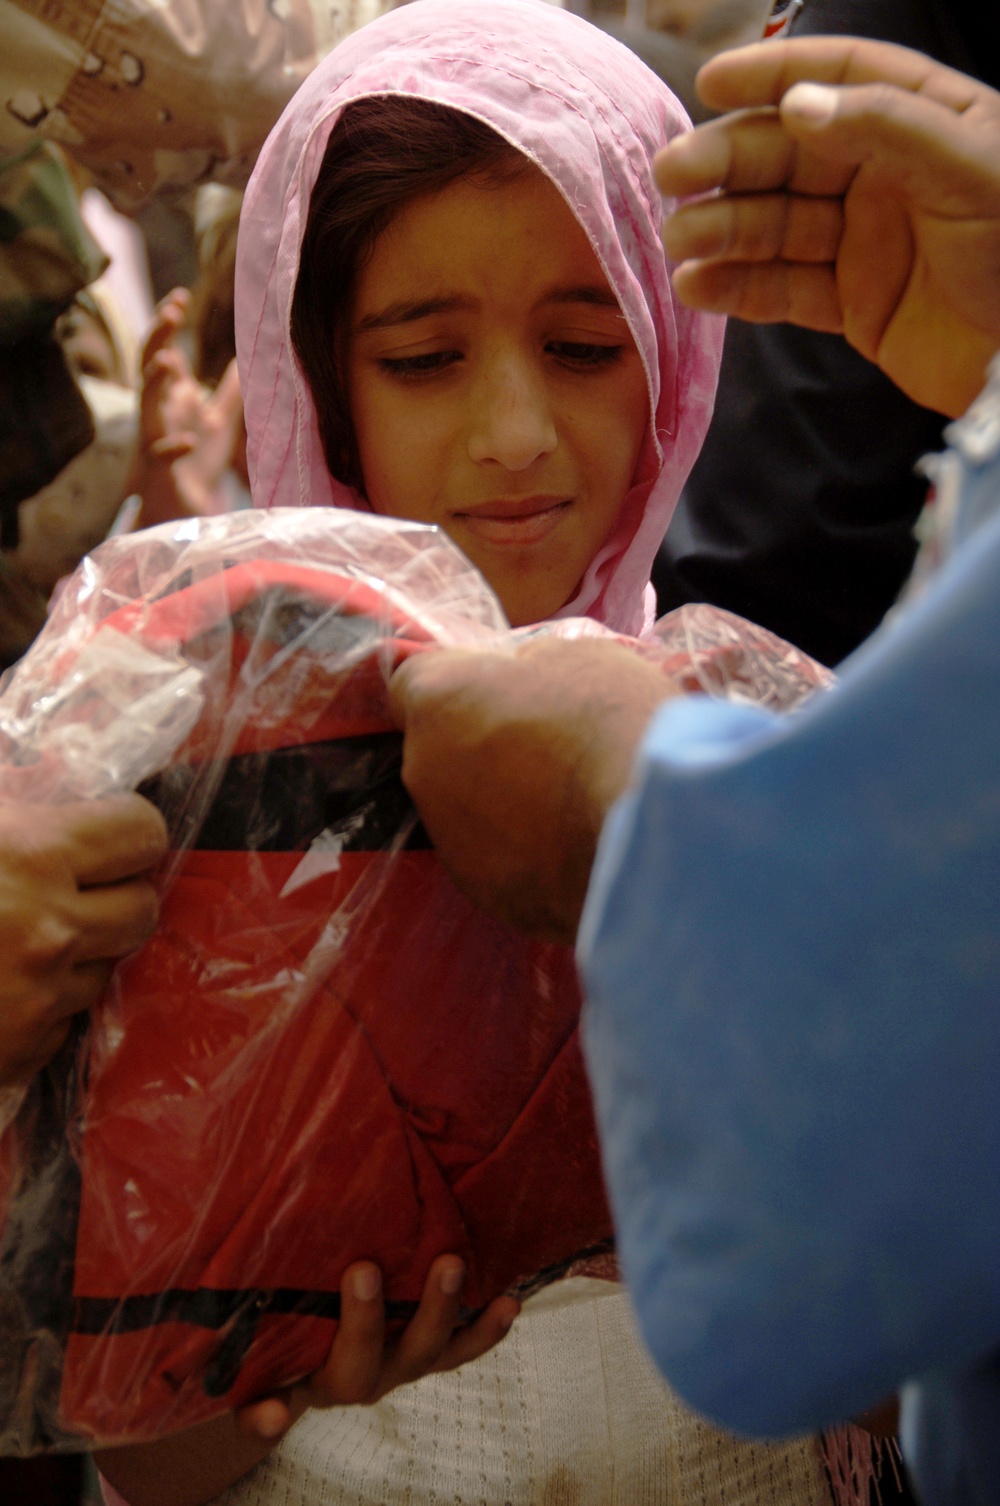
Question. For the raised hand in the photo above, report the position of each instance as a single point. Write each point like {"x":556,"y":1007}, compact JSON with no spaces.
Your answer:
{"x":188,"y":436}
{"x":856,"y":190}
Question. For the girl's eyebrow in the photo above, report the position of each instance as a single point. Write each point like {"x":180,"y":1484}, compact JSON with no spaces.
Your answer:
{"x":406,"y":311}
{"x":592,"y":293}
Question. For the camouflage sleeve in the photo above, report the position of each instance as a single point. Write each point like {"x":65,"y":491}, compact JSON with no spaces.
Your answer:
{"x":46,"y":252}
{"x":156,"y":96}
{"x":46,"y":257}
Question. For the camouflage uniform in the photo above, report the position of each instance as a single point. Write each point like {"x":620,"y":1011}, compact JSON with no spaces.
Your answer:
{"x":46,"y":257}
{"x":167,"y":95}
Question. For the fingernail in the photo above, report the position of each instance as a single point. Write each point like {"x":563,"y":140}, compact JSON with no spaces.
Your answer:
{"x":814,"y":103}
{"x":366,"y":1283}
{"x":507,"y":1321}
{"x":451,"y":1279}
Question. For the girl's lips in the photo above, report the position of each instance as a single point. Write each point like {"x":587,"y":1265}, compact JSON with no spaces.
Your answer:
{"x":527,"y":521}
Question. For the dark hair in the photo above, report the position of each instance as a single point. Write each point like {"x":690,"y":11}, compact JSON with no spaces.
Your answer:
{"x":384,"y":152}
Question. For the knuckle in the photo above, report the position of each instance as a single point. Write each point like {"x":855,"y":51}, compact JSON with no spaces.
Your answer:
{"x":146,"y":826}
{"x":882,"y":98}
{"x":823,"y":231}
{"x":48,"y":943}
{"x":31,"y":851}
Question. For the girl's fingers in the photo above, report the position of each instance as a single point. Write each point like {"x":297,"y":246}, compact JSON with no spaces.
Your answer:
{"x":158,"y":340}
{"x":157,"y":383}
{"x":478,"y":1338}
{"x":224,"y":410}
{"x":424,"y":1340}
{"x":269,"y":1419}
{"x":351,"y":1373}
{"x":227,"y":398}
{"x":175,"y":304}
{"x":361,"y":1368}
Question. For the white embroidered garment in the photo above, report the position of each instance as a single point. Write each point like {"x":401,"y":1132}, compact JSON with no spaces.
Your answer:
{"x":567,"y":1411}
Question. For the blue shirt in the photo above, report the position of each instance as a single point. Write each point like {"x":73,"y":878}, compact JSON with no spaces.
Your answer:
{"x":791,"y":952}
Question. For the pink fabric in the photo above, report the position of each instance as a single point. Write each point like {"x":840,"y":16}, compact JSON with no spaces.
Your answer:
{"x":590,"y":115}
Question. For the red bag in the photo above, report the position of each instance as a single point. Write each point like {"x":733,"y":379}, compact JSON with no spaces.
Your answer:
{"x":324,"y":1053}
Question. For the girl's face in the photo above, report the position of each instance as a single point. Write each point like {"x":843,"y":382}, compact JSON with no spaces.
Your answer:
{"x":494,"y":386}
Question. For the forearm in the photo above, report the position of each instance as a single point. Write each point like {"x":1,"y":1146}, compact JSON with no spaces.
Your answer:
{"x":790,"y":961}
{"x":186,"y":1469}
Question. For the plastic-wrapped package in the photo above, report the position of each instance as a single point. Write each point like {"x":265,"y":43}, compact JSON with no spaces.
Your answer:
{"x":325,"y":1052}
{"x":707,"y":650}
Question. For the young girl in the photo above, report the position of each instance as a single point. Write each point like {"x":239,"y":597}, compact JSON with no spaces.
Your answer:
{"x":453,"y":306}
{"x":482,"y":331}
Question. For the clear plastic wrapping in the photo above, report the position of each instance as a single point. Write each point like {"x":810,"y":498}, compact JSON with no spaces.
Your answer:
{"x":325,"y":1052}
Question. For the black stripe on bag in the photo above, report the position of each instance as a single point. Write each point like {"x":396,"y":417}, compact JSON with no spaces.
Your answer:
{"x":235,"y":1315}
{"x":208,"y":1307}
{"x":283,"y":799}
{"x":215,"y":1307}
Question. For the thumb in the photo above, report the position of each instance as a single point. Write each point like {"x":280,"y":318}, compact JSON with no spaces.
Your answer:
{"x":422,"y":677}
{"x":400,"y":690}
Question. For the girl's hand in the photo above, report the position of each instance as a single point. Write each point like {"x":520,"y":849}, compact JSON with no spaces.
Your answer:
{"x":362,"y":1367}
{"x":191,"y":1468}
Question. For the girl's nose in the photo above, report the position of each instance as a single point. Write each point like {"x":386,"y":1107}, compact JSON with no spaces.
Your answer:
{"x":511,"y":420}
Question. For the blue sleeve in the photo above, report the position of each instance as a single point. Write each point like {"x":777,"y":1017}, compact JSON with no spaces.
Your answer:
{"x":791,"y":953}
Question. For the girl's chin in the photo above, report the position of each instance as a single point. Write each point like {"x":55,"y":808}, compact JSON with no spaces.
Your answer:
{"x":523,"y":608}
{"x":528,"y":592}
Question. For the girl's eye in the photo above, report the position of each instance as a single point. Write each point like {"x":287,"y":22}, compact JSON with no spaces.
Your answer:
{"x":412,"y":367}
{"x":583,"y":356}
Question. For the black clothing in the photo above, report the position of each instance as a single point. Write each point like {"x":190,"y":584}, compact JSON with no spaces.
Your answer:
{"x":800,"y":509}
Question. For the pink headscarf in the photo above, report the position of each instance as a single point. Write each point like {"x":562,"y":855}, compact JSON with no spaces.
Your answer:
{"x":589,"y":114}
